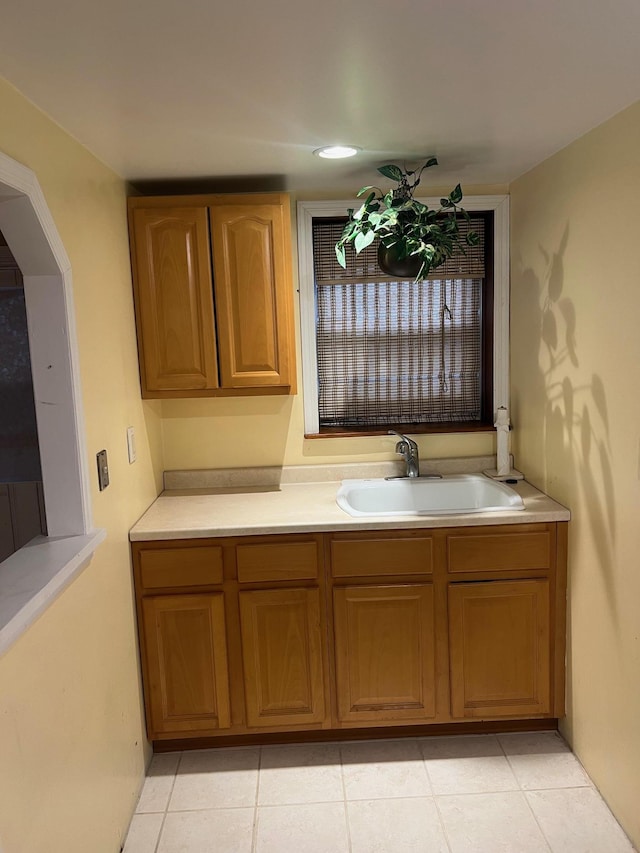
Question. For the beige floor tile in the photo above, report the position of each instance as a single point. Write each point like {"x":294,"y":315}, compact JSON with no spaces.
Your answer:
{"x":440,"y":794}
{"x":157,"y":786}
{"x":309,"y":828}
{"x":143,"y":833}
{"x":308,"y":773}
{"x":384,"y":769}
{"x":393,"y":826}
{"x":577,"y":820}
{"x":467,"y":765}
{"x":490,"y":823}
{"x":216,"y":831}
{"x":216,"y":778}
{"x":543,"y":760}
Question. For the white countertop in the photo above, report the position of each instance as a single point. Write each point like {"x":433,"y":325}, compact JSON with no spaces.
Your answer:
{"x":299,"y":507}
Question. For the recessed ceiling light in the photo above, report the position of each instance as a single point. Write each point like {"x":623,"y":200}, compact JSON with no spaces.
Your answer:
{"x":336,"y":152}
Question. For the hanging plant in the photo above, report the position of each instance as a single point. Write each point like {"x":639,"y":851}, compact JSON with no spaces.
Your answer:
{"x":414,"y":238}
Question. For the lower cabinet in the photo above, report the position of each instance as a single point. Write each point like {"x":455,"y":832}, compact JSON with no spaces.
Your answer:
{"x":295,"y":632}
{"x":186,"y":657}
{"x":499,"y":642}
{"x":282,"y":656}
{"x":384,"y":652}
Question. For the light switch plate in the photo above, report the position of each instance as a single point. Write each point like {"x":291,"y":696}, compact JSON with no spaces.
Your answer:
{"x":103,"y":470}
{"x":131,"y":444}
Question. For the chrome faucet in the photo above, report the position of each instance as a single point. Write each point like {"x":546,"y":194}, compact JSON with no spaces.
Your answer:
{"x":408,"y":449}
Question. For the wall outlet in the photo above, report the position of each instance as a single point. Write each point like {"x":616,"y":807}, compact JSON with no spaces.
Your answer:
{"x":131,"y":444}
{"x":103,"y":470}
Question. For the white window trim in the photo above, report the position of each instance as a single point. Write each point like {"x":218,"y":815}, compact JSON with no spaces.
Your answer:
{"x":32,"y":577}
{"x":308,"y":210}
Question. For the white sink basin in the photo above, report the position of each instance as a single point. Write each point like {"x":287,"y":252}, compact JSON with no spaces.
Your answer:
{"x":455,"y":493}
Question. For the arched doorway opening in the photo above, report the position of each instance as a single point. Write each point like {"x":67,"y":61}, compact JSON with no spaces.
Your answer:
{"x":32,"y":237}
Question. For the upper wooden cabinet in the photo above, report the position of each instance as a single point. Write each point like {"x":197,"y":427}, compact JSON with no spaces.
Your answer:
{"x":251,"y":258}
{"x":174,"y":299}
{"x":213,"y":293}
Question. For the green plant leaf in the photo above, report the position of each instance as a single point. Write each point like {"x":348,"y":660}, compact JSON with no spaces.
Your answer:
{"x":391,"y":171}
{"x":473,"y":238}
{"x":340,"y":255}
{"x":432,"y":161}
{"x":455,"y":196}
{"x":363,"y":239}
{"x":364,"y":190}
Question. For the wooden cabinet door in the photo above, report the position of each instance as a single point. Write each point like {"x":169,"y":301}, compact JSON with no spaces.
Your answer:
{"x":174,"y":299}
{"x":384,"y":649}
{"x":499,"y":645}
{"x":186,"y":655}
{"x":253,"y":293}
{"x":282,"y":656}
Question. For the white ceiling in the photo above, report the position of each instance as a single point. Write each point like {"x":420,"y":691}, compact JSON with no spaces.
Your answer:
{"x":202,"y":88}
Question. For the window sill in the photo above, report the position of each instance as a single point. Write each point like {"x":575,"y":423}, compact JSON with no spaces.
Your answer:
{"x":407,"y":429}
{"x":33,"y":577}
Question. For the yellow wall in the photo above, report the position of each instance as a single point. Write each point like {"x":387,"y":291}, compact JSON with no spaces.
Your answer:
{"x":72,"y":741}
{"x":575,"y":379}
{"x":247,"y":431}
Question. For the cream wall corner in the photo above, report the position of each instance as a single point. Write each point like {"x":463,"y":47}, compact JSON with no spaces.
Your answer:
{"x":575,"y":367}
{"x":72,"y":735}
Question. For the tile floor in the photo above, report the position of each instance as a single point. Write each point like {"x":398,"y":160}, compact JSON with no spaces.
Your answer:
{"x":512,"y":793}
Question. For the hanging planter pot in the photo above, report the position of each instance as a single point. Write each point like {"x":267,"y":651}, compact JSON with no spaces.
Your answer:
{"x":428,"y":237}
{"x":400,"y":268}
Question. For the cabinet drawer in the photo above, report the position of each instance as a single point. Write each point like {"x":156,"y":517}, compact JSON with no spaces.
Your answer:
{"x":490,"y":552}
{"x":279,"y":562}
{"x":173,"y":567}
{"x":388,"y":556}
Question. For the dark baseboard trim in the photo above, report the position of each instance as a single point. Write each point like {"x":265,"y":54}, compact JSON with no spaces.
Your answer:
{"x":371,"y":733}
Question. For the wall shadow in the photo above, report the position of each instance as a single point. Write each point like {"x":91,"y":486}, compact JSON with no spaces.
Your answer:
{"x":568,"y":434}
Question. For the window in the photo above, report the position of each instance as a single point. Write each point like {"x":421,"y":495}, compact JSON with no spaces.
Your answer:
{"x":380,"y":353}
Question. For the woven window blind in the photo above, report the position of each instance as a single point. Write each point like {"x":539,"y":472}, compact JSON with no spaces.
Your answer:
{"x":397,"y":352}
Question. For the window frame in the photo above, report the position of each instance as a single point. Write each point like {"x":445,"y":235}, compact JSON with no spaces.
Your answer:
{"x":307,"y":211}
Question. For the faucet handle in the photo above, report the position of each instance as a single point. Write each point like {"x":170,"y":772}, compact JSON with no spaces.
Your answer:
{"x":402,"y":447}
{"x":410,"y":443}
